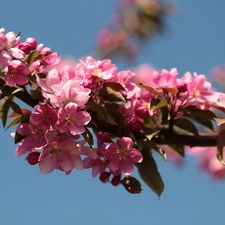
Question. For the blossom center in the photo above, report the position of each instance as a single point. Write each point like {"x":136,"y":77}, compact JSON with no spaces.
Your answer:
{"x":122,"y":153}
{"x":38,"y":132}
{"x":70,"y":119}
{"x":96,"y":71}
{"x":197,"y":93}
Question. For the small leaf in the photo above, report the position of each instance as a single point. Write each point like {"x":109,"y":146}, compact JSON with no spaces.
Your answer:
{"x":115,"y":86}
{"x":178,"y":149}
{"x":19,"y":119}
{"x":16,"y":108}
{"x":173,"y":91}
{"x":4,"y":109}
{"x":17,"y":90}
{"x":14,"y":122}
{"x":152,"y":145}
{"x":114,"y":115}
{"x":220,"y":146}
{"x":30,"y":58}
{"x":15,"y":115}
{"x":219,"y":121}
{"x":115,"y":95}
{"x":97,"y":108}
{"x":131,"y":184}
{"x":88,"y":137}
{"x":109,"y":94}
{"x":18,"y":137}
{"x":157,"y":91}
{"x":186,"y":124}
{"x":203,"y":117}
{"x":150,"y":133}
{"x":149,"y":173}
{"x":161,"y":104}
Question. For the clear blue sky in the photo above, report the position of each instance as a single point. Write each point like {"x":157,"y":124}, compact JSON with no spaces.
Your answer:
{"x":195,"y":42}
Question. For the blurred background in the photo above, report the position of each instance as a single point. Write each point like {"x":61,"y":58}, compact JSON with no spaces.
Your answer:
{"x":193,"y":39}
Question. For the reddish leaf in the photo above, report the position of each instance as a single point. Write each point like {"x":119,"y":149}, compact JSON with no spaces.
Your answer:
{"x":131,"y":184}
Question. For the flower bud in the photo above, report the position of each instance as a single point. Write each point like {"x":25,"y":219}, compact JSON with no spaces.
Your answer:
{"x":115,"y":181}
{"x":104,"y":176}
{"x":32,"y":42}
{"x":33,"y":157}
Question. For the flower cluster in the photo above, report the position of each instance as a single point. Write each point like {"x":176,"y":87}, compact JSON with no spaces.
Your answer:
{"x":129,"y":113}
{"x":134,"y":19}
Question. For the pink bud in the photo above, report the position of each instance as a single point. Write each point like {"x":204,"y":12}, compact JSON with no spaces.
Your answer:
{"x":115,"y":181}
{"x":104,"y":176}
{"x":33,"y":157}
{"x":32,"y":42}
{"x":182,"y":88}
{"x":142,"y":112}
{"x":25,"y":47}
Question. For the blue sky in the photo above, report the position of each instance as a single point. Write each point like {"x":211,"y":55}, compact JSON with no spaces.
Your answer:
{"x":194,"y":42}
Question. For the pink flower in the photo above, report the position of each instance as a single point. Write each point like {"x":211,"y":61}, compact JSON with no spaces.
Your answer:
{"x":44,"y":116}
{"x":199,"y":90}
{"x":122,"y":155}
{"x":8,"y":49}
{"x":16,"y":73}
{"x":71,"y":120}
{"x":101,"y":69}
{"x":35,"y":136}
{"x":57,"y":155}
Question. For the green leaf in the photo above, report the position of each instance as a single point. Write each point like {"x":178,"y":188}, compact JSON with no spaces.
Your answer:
{"x":30,"y":58}
{"x":88,"y":137}
{"x":149,"y":173}
{"x":4,"y":108}
{"x":220,"y":146}
{"x":203,"y":117}
{"x":102,"y":113}
{"x":115,"y":86}
{"x":114,"y":115}
{"x":18,"y":137}
{"x":12,"y":90}
{"x":161,"y":104}
{"x":19,"y":119}
{"x":178,"y":149}
{"x":150,"y":133}
{"x":16,"y":108}
{"x":107,"y":93}
{"x":157,"y":91}
{"x":152,"y":145}
{"x":131,"y":184}
{"x":186,"y":124}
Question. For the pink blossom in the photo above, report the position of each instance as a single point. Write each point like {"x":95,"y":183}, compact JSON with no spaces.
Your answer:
{"x":72,"y":92}
{"x":44,"y":116}
{"x":27,"y":46}
{"x":199,"y":90}
{"x":72,"y":120}
{"x":208,"y":161}
{"x":8,"y":50}
{"x":35,"y":135}
{"x":57,"y":155}
{"x":122,"y":155}
{"x":98,"y":165}
{"x":16,"y":73}
{"x":101,"y":69}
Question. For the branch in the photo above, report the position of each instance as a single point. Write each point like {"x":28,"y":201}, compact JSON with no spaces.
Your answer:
{"x":22,"y":95}
{"x":164,"y":138}
{"x":188,"y":140}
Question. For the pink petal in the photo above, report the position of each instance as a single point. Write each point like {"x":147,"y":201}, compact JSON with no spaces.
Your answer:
{"x":114,"y":163}
{"x":48,"y":164}
{"x":127,"y":166}
{"x":135,"y":155}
